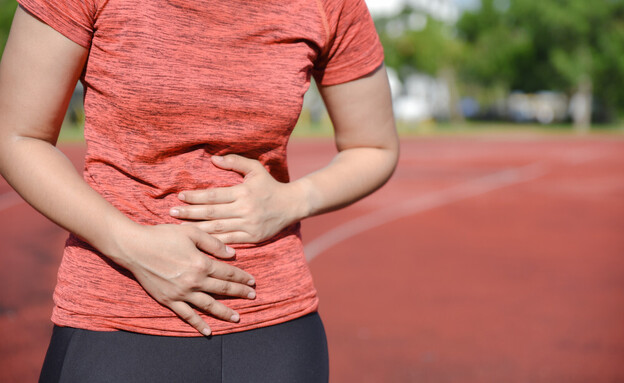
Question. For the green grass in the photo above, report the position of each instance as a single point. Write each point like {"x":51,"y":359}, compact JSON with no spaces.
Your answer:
{"x":307,"y":129}
{"x":323,"y":128}
{"x":71,"y":133}
{"x":499,"y":128}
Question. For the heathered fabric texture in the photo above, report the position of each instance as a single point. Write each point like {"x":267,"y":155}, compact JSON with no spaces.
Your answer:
{"x":170,"y":83}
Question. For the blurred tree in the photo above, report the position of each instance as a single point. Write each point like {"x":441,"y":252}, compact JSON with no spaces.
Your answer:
{"x":414,"y":41}
{"x":572,"y":46}
{"x":7,"y":9}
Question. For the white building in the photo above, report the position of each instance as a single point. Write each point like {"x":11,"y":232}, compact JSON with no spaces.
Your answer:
{"x":443,"y":10}
{"x":419,"y":97}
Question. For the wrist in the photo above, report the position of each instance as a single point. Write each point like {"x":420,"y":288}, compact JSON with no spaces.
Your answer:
{"x":120,"y":234}
{"x":304,"y":199}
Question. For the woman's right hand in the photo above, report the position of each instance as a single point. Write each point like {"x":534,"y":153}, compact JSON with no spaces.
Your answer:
{"x":171,"y":264}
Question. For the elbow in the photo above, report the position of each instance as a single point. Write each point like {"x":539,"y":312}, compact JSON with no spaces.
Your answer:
{"x":7,"y":141}
{"x":388,"y":158}
{"x":393,"y":159}
{"x":392,"y":149}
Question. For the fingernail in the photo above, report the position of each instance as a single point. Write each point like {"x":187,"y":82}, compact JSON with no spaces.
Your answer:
{"x":174,"y":212}
{"x":217,"y":158}
{"x":235,"y":318}
{"x":251,"y":295}
{"x":206,"y":332}
{"x":230,"y":250}
{"x":251,"y":282}
{"x":181,"y":197}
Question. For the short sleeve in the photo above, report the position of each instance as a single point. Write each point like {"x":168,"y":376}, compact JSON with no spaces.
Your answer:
{"x":74,"y":19}
{"x":353,"y":48}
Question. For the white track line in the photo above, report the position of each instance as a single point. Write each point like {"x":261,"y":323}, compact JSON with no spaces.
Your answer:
{"x":423,"y":203}
{"x":9,"y":199}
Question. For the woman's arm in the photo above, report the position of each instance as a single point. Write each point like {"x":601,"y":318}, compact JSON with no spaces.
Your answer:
{"x":368,"y":148}
{"x":367,"y":142}
{"x":38,"y":72}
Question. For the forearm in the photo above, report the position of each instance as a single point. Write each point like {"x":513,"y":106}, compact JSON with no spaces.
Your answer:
{"x":353,"y":174}
{"x":48,"y":181}
{"x":367,"y":142}
{"x":38,"y":73}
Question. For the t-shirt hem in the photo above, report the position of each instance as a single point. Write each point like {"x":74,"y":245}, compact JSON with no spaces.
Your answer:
{"x":110,"y":325}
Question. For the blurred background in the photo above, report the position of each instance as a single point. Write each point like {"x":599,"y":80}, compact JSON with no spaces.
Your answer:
{"x":494,"y":254}
{"x":559,"y":64}
{"x":486,"y":63}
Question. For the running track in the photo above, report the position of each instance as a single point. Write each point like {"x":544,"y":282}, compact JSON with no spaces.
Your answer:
{"x":485,"y":259}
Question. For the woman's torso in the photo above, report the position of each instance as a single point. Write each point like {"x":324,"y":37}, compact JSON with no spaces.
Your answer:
{"x":168,"y":84}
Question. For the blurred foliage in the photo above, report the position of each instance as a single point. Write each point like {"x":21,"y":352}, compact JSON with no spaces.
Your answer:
{"x":548,"y":45}
{"x":524,"y":45}
{"x":7,"y":9}
{"x":414,"y":41}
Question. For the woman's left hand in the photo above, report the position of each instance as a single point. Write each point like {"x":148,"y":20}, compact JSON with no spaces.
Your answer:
{"x":250,"y":212}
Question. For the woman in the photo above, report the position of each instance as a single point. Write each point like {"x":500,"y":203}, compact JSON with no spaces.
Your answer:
{"x":184,"y":222}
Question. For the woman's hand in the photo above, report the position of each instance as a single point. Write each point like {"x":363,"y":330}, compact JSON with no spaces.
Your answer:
{"x":171,"y":264}
{"x":258,"y":208}
{"x":250,"y":212}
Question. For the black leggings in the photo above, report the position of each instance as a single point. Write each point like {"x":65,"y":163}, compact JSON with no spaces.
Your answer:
{"x":294,"y":351}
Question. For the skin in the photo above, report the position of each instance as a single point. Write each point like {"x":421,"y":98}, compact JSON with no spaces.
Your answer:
{"x":38,"y":73}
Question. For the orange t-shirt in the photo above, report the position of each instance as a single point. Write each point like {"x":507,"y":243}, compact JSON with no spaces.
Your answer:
{"x":167,"y":85}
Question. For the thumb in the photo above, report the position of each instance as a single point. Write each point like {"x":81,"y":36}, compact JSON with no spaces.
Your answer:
{"x":237,"y":163}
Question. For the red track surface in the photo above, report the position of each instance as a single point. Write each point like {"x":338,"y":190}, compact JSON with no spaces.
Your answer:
{"x":483,"y":260}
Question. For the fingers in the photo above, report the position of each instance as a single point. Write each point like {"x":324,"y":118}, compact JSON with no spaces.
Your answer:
{"x":221,"y":279}
{"x":221,"y":282}
{"x":215,"y":196}
{"x":219,"y":270}
{"x":189,"y":278}
{"x":189,"y":315}
{"x":237,"y":237}
{"x":221,"y":287}
{"x":229,"y":273}
{"x":237,"y":163}
{"x":202,"y":212}
{"x":207,"y":304}
{"x":213,"y":307}
{"x":210,"y":244}
{"x":228,"y":231}
{"x":220,"y":226}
